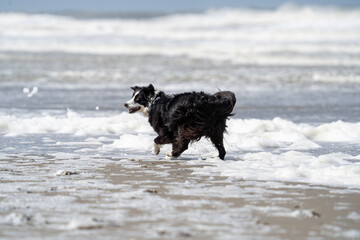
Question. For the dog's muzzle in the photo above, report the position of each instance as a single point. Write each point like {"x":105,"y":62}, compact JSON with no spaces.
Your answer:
{"x":133,"y":109}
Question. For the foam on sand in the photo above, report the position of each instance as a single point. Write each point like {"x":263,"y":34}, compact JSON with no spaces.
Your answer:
{"x":329,"y":169}
{"x":275,"y":149}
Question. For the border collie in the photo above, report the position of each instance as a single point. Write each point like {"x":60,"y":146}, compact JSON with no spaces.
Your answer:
{"x":182,"y":118}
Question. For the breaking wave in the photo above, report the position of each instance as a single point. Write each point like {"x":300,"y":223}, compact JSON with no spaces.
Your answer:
{"x":290,"y":35}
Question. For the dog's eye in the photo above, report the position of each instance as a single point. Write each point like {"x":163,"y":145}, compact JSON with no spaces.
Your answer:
{"x":137,"y":99}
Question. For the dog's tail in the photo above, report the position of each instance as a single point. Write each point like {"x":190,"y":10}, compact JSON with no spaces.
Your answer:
{"x":223,"y":104}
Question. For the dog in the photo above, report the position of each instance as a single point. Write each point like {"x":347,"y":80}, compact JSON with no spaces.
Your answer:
{"x":182,"y":118}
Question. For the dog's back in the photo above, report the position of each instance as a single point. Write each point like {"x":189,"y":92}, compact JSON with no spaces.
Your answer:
{"x":198,"y":114}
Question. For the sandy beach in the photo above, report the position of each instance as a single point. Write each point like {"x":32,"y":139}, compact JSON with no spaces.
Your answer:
{"x":159,"y":199}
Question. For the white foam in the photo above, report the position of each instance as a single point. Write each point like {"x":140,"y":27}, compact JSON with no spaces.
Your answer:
{"x":89,"y":223}
{"x":263,"y":149}
{"x":291,"y":166}
{"x":72,"y":122}
{"x":334,"y":132}
{"x":354,"y":215}
{"x":249,"y":134}
{"x":256,"y":134}
{"x":335,"y":77}
{"x":287,"y":36}
{"x":132,"y":141}
{"x":351,"y":234}
{"x":30,"y":93}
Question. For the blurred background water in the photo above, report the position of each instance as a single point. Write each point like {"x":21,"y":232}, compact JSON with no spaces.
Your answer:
{"x":299,"y":62}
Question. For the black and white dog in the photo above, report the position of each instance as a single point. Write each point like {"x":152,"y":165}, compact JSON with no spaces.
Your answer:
{"x":181,"y":118}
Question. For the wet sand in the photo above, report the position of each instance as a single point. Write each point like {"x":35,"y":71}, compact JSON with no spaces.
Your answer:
{"x":161,"y":199}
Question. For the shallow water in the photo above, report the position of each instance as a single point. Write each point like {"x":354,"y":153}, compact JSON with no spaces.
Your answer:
{"x":74,"y":163}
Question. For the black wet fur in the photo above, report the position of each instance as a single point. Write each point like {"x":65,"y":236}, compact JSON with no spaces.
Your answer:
{"x":182,"y":118}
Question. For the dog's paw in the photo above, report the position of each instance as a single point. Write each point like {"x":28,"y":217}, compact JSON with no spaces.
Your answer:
{"x":156,"y":149}
{"x":168,"y":155}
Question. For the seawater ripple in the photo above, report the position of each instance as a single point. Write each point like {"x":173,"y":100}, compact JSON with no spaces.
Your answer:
{"x":290,"y":35}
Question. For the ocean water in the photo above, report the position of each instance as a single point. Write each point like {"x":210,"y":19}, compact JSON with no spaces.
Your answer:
{"x":63,"y":128}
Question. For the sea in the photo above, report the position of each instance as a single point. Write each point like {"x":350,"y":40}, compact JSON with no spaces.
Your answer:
{"x":74,"y":162}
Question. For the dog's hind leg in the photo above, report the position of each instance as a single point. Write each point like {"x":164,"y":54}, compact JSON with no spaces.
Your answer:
{"x":217,"y":140}
{"x":178,"y":147}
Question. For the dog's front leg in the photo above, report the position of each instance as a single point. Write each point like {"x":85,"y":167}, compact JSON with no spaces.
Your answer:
{"x":159,"y":141}
{"x":157,"y":145}
{"x":157,"y":148}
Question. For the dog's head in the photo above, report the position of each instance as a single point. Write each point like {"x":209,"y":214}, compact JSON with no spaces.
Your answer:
{"x":141,"y":99}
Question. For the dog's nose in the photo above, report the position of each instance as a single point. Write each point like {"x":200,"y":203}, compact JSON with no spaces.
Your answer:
{"x":126,"y":105}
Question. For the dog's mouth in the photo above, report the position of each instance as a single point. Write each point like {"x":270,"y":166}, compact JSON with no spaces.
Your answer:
{"x":134,"y":109}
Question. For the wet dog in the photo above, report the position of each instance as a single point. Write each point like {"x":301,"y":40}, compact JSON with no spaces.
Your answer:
{"x":182,"y":118}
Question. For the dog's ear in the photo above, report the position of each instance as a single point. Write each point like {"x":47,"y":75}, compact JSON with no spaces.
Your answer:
{"x":151,"y":88}
{"x":135,"y":88}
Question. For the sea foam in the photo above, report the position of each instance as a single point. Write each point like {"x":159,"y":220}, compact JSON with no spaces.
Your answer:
{"x":292,"y":166}
{"x":276,"y":149}
{"x":296,"y":36}
{"x":242,"y":133}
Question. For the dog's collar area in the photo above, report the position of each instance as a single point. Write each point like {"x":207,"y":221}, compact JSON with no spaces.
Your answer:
{"x":154,"y":100}
{"x":156,"y":97}
{"x":168,"y":103}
